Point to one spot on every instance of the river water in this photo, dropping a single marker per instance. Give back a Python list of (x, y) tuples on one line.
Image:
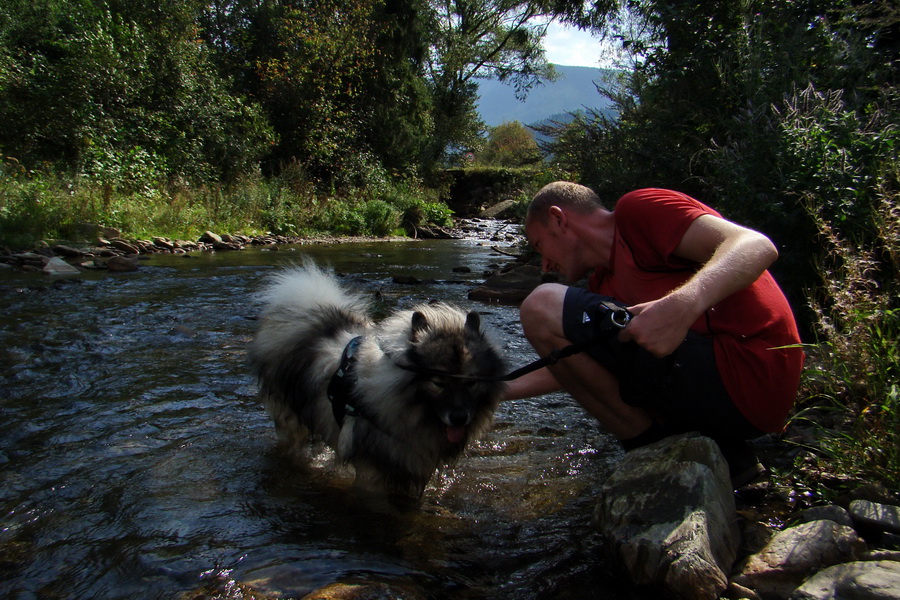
[(136, 462)]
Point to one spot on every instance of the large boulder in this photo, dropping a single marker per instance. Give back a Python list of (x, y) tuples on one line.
[(668, 515), (870, 580), (796, 553)]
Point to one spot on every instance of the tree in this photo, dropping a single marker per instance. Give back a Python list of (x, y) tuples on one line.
[(510, 144), (121, 92), (480, 39)]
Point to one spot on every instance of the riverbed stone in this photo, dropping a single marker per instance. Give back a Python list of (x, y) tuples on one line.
[(122, 264), (164, 243), (497, 210), (209, 237), (30, 257), (794, 554), (145, 247), (223, 245), (57, 266), (123, 246), (830, 512), (511, 287), (875, 516), (861, 580), (362, 591), (668, 515), (63, 250)]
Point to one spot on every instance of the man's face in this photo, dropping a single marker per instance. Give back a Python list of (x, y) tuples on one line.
[(556, 247)]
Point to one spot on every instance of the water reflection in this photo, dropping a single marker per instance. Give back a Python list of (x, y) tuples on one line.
[(135, 461)]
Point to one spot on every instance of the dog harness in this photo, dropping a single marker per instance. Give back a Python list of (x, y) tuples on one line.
[(341, 386)]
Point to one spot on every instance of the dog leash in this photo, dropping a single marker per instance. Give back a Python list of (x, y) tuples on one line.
[(341, 385)]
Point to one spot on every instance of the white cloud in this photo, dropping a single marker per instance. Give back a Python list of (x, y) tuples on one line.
[(571, 47)]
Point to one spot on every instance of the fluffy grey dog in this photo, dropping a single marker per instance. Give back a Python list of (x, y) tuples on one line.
[(396, 399)]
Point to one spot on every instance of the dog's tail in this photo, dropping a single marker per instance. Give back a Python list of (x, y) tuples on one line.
[(303, 305), (305, 288)]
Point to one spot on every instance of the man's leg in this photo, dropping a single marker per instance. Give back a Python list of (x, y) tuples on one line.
[(586, 380)]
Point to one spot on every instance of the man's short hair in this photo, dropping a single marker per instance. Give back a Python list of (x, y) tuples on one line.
[(564, 194)]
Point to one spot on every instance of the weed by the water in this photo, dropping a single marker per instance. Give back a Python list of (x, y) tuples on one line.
[(853, 384)]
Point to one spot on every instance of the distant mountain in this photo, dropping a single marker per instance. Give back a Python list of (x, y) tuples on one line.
[(574, 90)]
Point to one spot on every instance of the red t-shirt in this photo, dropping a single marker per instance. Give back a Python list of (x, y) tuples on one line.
[(749, 327)]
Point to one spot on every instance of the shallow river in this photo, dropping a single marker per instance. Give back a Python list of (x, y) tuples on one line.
[(135, 461)]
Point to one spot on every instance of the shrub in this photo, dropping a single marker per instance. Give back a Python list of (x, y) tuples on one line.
[(381, 218), (416, 208)]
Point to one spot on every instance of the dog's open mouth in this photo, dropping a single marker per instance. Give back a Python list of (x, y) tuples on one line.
[(455, 433)]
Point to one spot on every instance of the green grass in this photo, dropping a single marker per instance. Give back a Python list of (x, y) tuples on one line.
[(36, 207)]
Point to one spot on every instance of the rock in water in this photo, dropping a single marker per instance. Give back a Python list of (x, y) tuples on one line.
[(57, 266), (669, 517), (122, 264)]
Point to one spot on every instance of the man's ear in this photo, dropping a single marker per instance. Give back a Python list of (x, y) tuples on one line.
[(557, 218)]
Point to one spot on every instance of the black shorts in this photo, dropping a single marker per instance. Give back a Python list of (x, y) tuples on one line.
[(684, 390)]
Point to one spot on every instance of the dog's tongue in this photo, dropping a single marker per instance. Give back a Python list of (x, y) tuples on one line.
[(455, 433)]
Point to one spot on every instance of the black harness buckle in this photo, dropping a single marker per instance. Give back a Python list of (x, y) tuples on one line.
[(343, 381)]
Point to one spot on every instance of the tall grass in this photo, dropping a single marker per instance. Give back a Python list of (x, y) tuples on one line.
[(46, 206), (854, 383)]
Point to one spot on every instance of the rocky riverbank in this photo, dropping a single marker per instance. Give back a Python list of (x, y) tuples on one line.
[(106, 248), (672, 521), (675, 527)]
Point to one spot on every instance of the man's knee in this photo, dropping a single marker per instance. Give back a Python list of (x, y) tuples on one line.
[(542, 309)]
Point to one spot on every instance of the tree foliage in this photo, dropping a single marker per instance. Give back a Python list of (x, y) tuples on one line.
[(122, 92), (509, 144), (480, 39), (351, 93)]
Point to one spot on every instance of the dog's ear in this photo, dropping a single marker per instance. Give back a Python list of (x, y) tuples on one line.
[(419, 324), (473, 323)]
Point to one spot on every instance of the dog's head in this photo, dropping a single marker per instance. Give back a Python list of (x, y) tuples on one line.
[(451, 354)]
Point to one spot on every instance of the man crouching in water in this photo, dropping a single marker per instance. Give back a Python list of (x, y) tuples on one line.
[(709, 346)]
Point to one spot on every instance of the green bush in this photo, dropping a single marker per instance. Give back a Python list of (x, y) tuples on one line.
[(417, 206), (28, 213), (381, 218)]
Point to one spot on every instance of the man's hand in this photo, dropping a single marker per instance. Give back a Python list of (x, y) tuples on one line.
[(659, 326)]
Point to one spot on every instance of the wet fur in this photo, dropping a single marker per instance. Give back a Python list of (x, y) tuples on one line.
[(307, 321)]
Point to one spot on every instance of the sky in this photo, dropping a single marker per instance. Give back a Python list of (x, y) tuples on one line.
[(570, 47)]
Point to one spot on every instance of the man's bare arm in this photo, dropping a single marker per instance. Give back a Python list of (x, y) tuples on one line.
[(733, 257), (536, 383)]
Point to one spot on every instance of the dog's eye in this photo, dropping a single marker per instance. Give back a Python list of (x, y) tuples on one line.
[(439, 382)]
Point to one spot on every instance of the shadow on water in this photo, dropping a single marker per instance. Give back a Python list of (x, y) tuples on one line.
[(136, 462)]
